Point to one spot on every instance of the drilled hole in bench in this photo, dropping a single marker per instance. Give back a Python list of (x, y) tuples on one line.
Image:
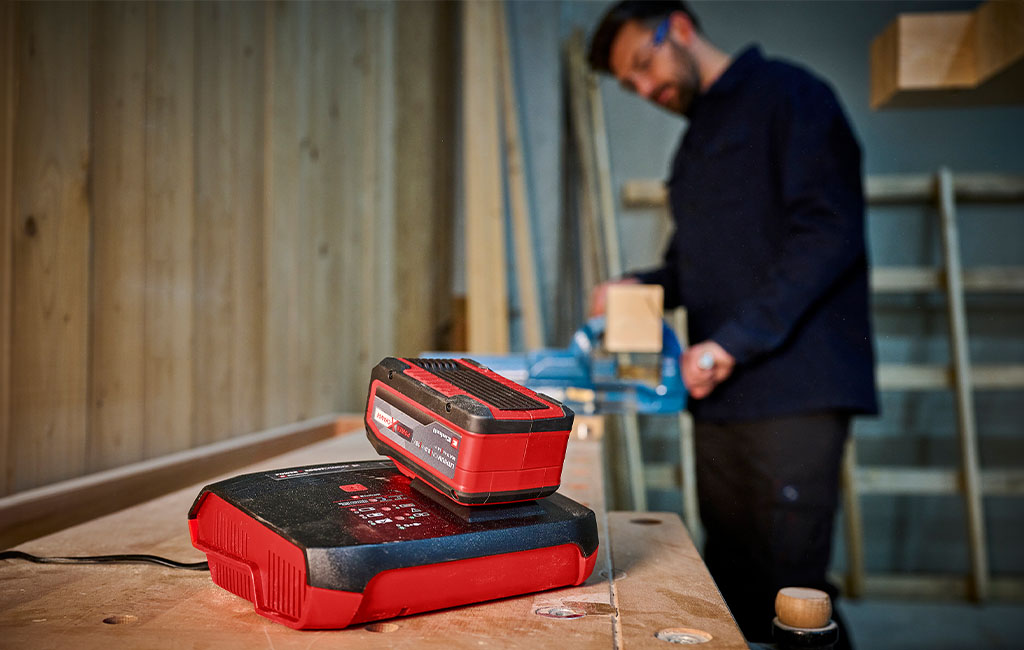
[(120, 619), (382, 627), (683, 635)]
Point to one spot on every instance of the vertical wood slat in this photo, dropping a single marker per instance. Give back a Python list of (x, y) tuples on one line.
[(325, 247), (8, 99), (966, 420), (287, 346), (522, 229), (170, 37), (378, 217), (486, 288), (424, 129), (247, 64), (227, 385), (349, 268), (118, 273), (212, 345), (50, 309)]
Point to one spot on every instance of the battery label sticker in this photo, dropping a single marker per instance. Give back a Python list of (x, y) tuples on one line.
[(433, 444)]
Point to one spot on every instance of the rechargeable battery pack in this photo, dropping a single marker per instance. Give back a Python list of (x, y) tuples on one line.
[(473, 435), (327, 546)]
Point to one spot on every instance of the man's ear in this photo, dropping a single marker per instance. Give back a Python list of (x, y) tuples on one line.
[(681, 28)]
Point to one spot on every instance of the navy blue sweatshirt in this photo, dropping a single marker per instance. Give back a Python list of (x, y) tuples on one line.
[(768, 254)]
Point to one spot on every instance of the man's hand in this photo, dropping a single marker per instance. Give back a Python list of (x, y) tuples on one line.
[(599, 296), (705, 365)]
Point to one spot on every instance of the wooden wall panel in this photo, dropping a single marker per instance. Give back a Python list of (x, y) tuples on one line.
[(8, 75), (376, 214), (330, 115), (118, 274), (248, 58), (424, 191), (170, 38), (352, 276), (49, 354), (206, 232), (288, 349), (227, 377)]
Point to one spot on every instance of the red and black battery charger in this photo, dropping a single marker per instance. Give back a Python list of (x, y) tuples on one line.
[(472, 434), (327, 546), (331, 545)]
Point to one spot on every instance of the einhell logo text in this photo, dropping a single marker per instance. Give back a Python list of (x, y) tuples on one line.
[(383, 418)]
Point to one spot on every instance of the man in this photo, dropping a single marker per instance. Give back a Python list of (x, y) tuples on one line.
[(769, 258)]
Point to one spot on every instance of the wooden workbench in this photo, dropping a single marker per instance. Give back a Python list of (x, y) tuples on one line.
[(660, 583)]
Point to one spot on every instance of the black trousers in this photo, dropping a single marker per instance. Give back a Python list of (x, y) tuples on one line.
[(768, 491)]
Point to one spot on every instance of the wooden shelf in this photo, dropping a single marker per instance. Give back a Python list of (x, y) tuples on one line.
[(951, 58)]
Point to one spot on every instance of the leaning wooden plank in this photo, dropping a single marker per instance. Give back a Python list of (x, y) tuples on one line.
[(518, 200), (486, 288), (37, 512), (602, 159), (966, 418), (117, 330), (662, 590), (592, 252), (50, 310)]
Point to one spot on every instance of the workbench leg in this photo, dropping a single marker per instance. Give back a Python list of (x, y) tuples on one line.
[(634, 460), (688, 479), (852, 523)]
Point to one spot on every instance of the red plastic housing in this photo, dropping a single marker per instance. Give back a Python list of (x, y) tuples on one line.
[(253, 562), (503, 454)]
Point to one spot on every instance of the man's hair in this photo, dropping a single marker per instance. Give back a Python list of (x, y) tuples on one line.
[(650, 12)]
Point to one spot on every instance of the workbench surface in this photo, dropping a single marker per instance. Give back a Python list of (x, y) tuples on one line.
[(660, 583)]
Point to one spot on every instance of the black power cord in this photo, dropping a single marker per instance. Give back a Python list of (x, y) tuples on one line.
[(106, 559)]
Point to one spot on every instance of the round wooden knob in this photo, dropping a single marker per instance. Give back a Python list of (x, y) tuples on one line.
[(802, 607)]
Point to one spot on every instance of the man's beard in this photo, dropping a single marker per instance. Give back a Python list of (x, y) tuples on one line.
[(687, 86)]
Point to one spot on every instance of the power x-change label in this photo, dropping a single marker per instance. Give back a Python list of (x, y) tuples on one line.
[(432, 443)]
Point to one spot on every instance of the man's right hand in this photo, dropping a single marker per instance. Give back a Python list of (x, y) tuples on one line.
[(599, 296)]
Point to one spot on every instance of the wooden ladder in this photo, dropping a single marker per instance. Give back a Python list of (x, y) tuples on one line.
[(969, 481)]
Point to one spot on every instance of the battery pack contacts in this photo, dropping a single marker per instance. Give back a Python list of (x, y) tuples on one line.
[(468, 432)]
